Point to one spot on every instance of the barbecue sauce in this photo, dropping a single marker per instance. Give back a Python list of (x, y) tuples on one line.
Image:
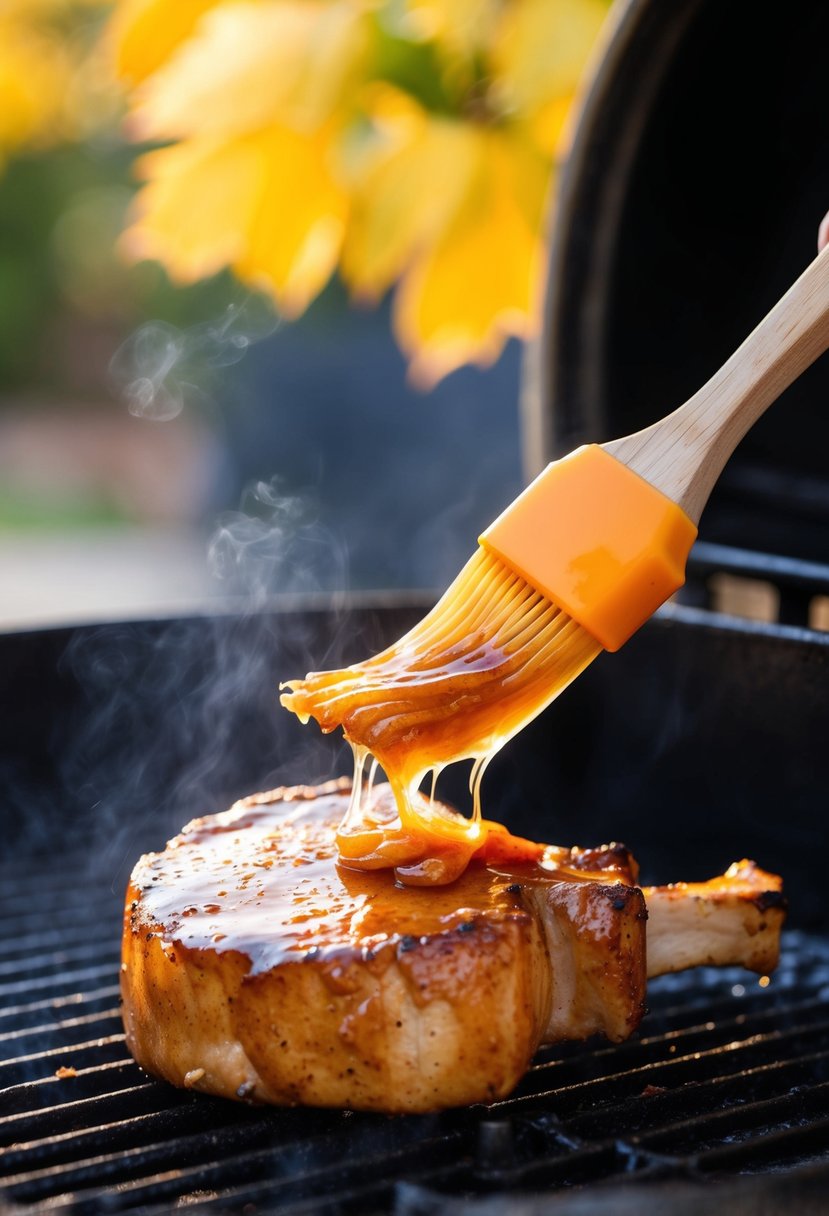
[(263, 880), (427, 845), (486, 660)]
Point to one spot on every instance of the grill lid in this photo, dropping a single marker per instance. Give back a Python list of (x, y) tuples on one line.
[(668, 247)]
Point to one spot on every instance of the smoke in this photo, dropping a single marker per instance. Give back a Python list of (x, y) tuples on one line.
[(158, 721), (160, 369), (178, 718), (274, 544)]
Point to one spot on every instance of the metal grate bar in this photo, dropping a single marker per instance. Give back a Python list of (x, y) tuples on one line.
[(57, 909), (23, 945), (691, 1108), (637, 1082), (89, 1082), (138, 1163), (67, 1031), (138, 1131), (41, 1064), (357, 1198), (81, 1114), (683, 1039), (29, 965), (324, 1166), (31, 1013), (703, 1007), (558, 1146), (781, 1145), (786, 572), (564, 1161), (45, 873), (691, 1134), (566, 1077), (61, 983)]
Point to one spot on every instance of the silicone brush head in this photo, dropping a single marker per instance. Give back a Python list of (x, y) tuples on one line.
[(575, 564), (485, 660), (487, 657)]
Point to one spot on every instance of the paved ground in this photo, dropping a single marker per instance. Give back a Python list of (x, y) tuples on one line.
[(100, 574)]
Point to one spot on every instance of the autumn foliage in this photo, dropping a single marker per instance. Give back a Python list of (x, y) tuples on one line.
[(408, 144)]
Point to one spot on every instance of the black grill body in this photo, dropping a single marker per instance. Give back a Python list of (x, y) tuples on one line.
[(701, 742)]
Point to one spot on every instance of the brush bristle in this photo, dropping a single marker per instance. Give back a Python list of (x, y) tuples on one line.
[(488, 657)]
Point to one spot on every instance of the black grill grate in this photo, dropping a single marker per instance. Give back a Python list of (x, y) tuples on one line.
[(726, 1077)]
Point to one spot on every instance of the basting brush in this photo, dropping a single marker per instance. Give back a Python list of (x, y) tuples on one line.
[(575, 565)]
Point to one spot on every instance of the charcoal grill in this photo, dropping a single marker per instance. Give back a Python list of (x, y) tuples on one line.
[(702, 741)]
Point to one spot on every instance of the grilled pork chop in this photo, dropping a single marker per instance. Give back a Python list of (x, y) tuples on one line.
[(255, 967)]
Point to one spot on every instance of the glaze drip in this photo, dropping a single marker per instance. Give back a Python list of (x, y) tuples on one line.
[(486, 660)]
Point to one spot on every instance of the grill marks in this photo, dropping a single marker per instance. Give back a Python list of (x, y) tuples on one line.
[(719, 1080)]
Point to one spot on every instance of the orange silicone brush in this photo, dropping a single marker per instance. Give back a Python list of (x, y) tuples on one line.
[(576, 564)]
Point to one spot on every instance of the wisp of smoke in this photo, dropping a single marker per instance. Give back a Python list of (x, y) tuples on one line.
[(180, 717), (160, 369), (275, 545)]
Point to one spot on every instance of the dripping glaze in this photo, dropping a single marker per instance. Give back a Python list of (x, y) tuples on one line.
[(491, 655)]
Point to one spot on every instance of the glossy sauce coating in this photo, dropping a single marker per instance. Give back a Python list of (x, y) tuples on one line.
[(485, 661), (256, 967), (262, 880)]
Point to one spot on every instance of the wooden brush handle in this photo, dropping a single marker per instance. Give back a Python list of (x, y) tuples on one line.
[(684, 454)]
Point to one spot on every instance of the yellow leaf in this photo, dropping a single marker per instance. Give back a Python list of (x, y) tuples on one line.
[(266, 204), (540, 48), (407, 193), (193, 213), (550, 124), (250, 64), (479, 283), (274, 178), (296, 229), (34, 73), (462, 24), (142, 34)]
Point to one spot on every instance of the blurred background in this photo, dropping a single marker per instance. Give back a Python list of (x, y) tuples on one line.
[(185, 415)]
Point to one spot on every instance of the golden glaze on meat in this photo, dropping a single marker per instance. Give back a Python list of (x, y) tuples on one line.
[(254, 966), (258, 968)]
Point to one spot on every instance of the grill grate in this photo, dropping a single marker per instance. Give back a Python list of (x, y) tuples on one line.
[(725, 1077)]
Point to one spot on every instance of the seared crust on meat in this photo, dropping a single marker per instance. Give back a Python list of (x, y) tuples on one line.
[(595, 937), (256, 968)]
